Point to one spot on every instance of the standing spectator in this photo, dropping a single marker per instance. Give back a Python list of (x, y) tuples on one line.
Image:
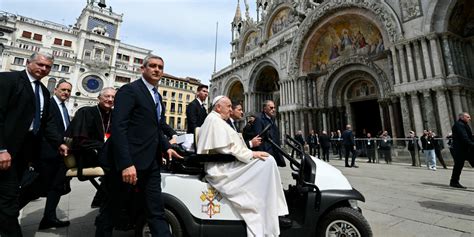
[(437, 147), (427, 143), (235, 116), (463, 145), (313, 143), (51, 165), (300, 139), (349, 146), (338, 142), (385, 147), (370, 148), (23, 118), (196, 110), (413, 147), (325, 142), (333, 143), (137, 145), (261, 121)]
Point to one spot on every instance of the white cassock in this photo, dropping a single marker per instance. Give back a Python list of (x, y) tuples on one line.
[(252, 185)]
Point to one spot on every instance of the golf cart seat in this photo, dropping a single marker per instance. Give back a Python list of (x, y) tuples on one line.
[(76, 169), (193, 163)]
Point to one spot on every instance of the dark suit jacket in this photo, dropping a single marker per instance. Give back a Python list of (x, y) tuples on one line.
[(137, 136), (261, 121), (47, 150), (17, 109), (325, 140), (195, 115), (463, 142), (348, 138)]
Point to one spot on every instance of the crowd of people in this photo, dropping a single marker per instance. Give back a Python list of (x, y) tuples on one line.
[(126, 133)]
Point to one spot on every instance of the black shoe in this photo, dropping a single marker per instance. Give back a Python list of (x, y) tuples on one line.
[(285, 222), (456, 185), (56, 223), (348, 166), (355, 166)]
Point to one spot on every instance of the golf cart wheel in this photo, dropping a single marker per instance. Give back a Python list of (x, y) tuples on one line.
[(173, 223), (344, 221)]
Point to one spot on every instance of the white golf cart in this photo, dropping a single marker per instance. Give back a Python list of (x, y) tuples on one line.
[(321, 201)]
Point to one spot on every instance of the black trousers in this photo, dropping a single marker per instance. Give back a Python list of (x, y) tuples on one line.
[(149, 182), (371, 154), (312, 149), (459, 161), (54, 184), (326, 153), (350, 149), (9, 206)]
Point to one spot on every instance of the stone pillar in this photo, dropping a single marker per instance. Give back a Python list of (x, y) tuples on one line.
[(393, 126), (306, 89), (426, 58), (457, 103), (292, 90), (310, 120), (396, 65), (405, 115), (465, 107), (447, 55), (429, 110), (410, 62), (419, 65), (403, 76), (324, 118), (436, 55), (464, 60), (292, 123), (287, 92), (302, 121), (416, 113), (381, 104), (443, 112)]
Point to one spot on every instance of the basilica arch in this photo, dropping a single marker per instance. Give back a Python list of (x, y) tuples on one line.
[(264, 84)]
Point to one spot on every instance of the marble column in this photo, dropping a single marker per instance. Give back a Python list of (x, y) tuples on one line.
[(418, 120), (464, 101), (283, 123), (302, 121), (438, 64), (419, 66), (292, 90), (404, 75), (429, 112), (381, 105), (464, 59), (426, 58), (306, 92), (405, 115), (292, 123), (410, 62), (310, 120), (457, 103), (396, 65), (324, 118), (447, 55), (393, 126), (443, 112)]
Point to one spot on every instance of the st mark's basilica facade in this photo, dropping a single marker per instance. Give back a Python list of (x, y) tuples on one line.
[(395, 65)]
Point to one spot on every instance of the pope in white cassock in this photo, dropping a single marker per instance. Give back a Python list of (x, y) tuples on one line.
[(252, 182)]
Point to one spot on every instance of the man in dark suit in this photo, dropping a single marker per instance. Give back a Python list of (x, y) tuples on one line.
[(313, 143), (261, 121), (463, 145), (51, 164), (325, 142), (236, 115), (137, 145), (349, 144), (196, 110), (23, 119)]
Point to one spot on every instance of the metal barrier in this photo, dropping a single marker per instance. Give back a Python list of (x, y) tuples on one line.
[(396, 151)]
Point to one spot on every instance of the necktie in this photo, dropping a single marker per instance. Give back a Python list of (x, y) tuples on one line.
[(158, 103), (235, 126), (37, 118), (66, 115)]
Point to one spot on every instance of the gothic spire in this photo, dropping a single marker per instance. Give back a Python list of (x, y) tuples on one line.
[(238, 15)]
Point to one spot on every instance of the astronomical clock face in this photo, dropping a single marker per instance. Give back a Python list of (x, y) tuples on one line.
[(92, 84)]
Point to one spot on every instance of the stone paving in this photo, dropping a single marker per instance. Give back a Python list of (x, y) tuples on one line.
[(401, 200)]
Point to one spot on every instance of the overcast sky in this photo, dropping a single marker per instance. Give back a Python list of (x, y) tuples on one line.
[(181, 31)]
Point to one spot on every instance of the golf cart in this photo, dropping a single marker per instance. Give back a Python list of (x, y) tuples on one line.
[(321, 201)]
